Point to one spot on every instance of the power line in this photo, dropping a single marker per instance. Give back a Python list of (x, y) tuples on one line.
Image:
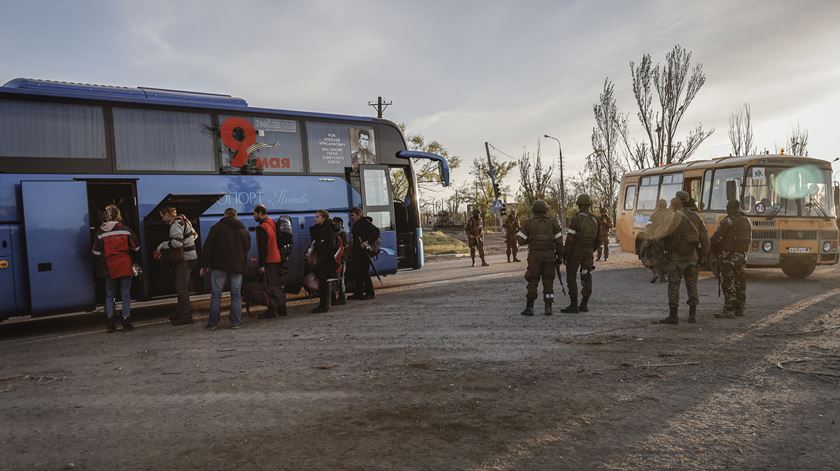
[(502, 152)]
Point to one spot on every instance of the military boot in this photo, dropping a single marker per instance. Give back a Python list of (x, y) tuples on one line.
[(508, 256), (584, 304), (126, 324), (692, 314), (529, 308), (725, 314), (572, 308), (739, 313), (549, 300), (672, 317)]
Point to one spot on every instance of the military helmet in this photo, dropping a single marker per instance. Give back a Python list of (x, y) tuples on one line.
[(733, 205), (682, 195), (540, 207), (476, 213), (584, 200)]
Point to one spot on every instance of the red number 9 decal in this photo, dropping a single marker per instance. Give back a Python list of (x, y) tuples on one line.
[(238, 134)]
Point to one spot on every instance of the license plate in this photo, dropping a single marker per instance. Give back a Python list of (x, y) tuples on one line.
[(799, 250)]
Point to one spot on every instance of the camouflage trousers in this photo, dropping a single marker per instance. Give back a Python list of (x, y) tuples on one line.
[(733, 271), (605, 249), (511, 248), (540, 266), (676, 272), (579, 263), (476, 243)]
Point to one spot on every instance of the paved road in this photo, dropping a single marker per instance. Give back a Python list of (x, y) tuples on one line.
[(440, 372)]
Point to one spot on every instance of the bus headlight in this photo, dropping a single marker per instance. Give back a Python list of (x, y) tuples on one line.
[(827, 246), (767, 246)]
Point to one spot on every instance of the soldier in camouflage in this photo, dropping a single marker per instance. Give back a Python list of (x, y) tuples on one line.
[(475, 236), (730, 243), (544, 238), (687, 245), (606, 223), (583, 240), (511, 228)]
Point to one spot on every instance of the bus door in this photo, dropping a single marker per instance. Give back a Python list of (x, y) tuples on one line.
[(624, 224), (122, 193), (377, 203), (57, 229)]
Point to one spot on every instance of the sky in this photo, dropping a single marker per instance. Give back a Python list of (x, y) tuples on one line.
[(460, 72)]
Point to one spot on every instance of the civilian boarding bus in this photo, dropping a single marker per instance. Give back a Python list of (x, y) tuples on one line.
[(67, 150), (789, 201)]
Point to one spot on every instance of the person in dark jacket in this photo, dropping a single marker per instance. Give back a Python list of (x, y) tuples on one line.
[(115, 243), (270, 262), (365, 237), (225, 257), (324, 241)]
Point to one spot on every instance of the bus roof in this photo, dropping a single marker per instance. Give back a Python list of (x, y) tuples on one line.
[(150, 96), (761, 159)]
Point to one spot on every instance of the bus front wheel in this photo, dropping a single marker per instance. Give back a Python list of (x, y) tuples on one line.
[(798, 267)]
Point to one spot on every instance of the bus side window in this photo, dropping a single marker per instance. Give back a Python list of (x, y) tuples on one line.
[(630, 198)]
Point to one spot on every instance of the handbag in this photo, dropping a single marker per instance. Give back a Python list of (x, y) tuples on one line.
[(137, 270), (173, 255)]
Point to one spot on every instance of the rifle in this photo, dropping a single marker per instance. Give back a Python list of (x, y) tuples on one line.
[(370, 261), (560, 277)]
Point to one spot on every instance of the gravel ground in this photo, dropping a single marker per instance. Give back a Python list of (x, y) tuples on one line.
[(441, 372)]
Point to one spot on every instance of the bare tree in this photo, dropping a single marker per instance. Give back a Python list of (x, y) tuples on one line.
[(740, 131), (427, 170), (675, 85), (797, 141), (603, 164), (533, 177)]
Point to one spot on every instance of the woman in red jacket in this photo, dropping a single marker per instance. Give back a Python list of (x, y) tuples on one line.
[(115, 243)]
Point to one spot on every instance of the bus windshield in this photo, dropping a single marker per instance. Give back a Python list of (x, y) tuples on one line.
[(804, 190)]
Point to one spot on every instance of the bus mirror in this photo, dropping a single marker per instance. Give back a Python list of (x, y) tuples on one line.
[(443, 165), (731, 190), (836, 196)]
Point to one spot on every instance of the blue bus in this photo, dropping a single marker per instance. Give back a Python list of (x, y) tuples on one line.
[(68, 149)]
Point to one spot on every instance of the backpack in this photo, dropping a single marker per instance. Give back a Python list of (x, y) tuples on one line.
[(285, 239)]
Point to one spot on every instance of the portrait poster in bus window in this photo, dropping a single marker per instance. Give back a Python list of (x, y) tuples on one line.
[(363, 147), (335, 147)]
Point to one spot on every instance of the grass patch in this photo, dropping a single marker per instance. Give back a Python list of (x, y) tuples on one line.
[(438, 243)]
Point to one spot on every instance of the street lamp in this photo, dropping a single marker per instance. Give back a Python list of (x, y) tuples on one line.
[(562, 184)]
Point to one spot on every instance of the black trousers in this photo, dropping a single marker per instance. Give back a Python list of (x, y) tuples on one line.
[(276, 296), (361, 275)]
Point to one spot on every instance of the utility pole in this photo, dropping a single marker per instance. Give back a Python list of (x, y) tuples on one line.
[(380, 106), (492, 172), (562, 184)]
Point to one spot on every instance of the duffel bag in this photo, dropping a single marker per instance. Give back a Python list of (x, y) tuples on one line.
[(255, 293)]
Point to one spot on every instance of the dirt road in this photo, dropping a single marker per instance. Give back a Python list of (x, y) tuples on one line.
[(441, 372)]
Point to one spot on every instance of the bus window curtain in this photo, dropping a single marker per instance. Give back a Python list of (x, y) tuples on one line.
[(51, 130), (163, 140)]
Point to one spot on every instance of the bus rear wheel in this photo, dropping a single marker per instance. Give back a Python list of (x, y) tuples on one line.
[(799, 268)]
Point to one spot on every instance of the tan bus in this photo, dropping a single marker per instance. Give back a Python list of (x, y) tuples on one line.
[(789, 200)]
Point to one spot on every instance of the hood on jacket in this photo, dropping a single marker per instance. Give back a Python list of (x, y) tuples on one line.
[(232, 222), (108, 226)]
